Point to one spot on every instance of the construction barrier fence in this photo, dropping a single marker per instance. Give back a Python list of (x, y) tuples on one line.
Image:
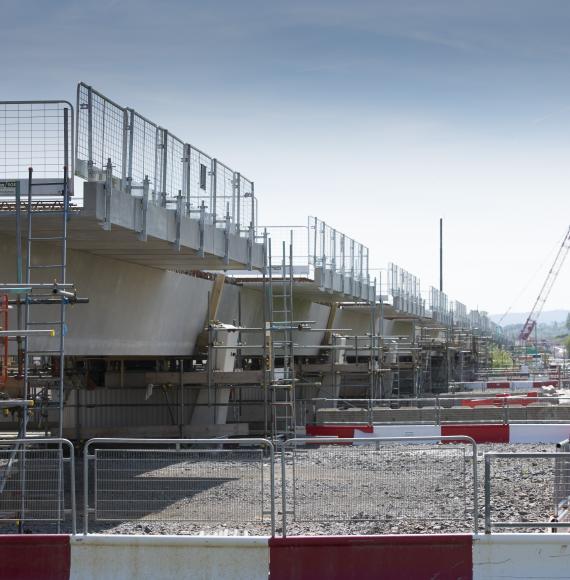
[(191, 480), (37, 481), (245, 484)]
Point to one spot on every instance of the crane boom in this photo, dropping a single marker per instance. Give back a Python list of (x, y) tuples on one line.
[(546, 288)]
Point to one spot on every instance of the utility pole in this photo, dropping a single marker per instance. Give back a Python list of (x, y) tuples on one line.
[(441, 254)]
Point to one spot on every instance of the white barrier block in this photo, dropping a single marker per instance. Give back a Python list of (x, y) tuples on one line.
[(152, 557), (521, 386), (538, 432), (405, 431), (521, 556)]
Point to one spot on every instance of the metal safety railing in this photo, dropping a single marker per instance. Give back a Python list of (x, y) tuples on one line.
[(34, 134), (214, 481), (405, 290), (144, 156), (33, 476), (528, 490), (367, 479), (440, 410), (333, 259)]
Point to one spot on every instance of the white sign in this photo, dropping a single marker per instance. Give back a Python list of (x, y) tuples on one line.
[(8, 187), (45, 187)]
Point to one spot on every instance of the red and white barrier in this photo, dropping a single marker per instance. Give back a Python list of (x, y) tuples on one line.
[(510, 385), (514, 556), (371, 557), (152, 557), (481, 433), (521, 556)]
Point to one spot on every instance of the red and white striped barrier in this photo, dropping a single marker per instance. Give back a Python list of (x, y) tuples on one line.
[(510, 385), (481, 433), (458, 556)]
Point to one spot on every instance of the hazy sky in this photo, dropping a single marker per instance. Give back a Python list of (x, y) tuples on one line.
[(378, 117)]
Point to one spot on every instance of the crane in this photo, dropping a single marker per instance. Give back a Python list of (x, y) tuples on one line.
[(546, 288)]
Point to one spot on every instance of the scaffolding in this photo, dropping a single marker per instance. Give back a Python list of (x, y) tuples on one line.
[(38, 141)]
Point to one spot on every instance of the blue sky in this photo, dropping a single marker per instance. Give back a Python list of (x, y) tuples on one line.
[(378, 117)]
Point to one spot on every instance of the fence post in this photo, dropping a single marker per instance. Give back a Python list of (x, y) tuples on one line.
[(186, 178), (72, 487), (178, 220), (163, 180), (437, 411), (144, 208), (214, 189), (227, 236), (487, 494), (236, 199), (108, 194), (124, 151), (253, 206), (202, 229), (90, 172), (86, 489), (283, 491), (272, 486), (131, 129)]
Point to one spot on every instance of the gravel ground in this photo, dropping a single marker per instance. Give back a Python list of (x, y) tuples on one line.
[(340, 490)]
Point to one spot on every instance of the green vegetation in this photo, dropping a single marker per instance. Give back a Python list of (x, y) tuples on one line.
[(501, 358)]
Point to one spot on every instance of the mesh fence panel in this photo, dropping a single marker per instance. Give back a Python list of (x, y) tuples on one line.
[(31, 484), (107, 130), (377, 482), (214, 485), (200, 180), (225, 200), (525, 489), (246, 205), (174, 169), (143, 152), (32, 135)]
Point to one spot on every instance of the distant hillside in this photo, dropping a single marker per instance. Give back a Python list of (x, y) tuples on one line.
[(547, 317)]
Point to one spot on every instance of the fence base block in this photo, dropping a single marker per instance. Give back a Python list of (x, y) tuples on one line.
[(370, 557), (34, 557), (156, 557), (521, 556), (488, 433)]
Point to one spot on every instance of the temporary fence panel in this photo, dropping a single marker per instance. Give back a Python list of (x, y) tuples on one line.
[(194, 480), (523, 490), (349, 479), (33, 475), (33, 134)]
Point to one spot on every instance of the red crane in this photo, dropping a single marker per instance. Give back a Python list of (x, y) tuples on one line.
[(546, 288)]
